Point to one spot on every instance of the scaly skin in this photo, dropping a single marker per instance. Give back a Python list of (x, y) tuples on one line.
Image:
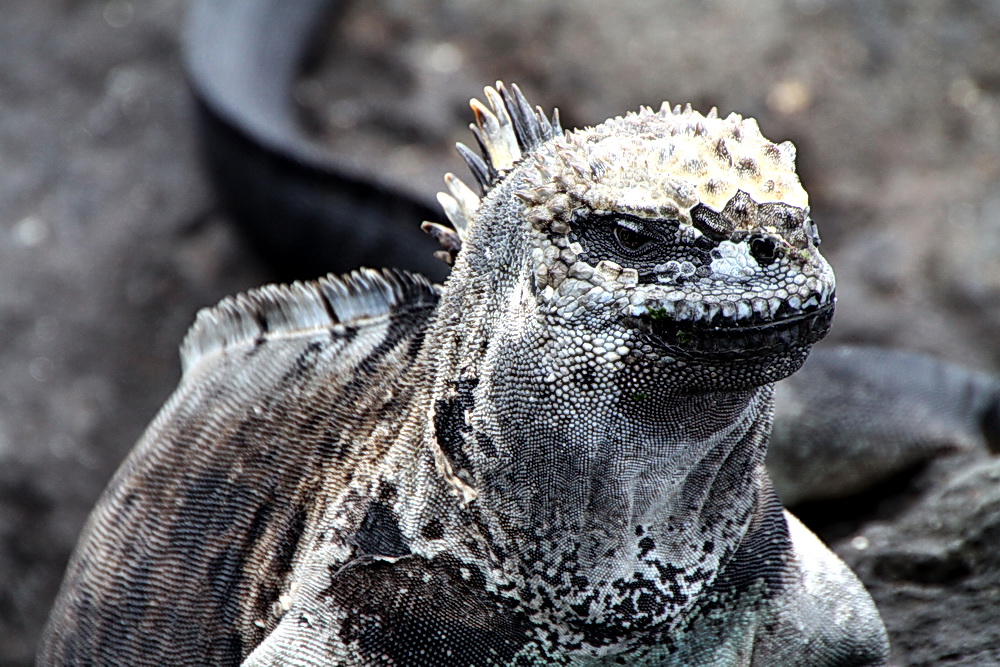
[(559, 460)]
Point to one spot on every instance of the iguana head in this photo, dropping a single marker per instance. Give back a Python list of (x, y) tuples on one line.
[(669, 238)]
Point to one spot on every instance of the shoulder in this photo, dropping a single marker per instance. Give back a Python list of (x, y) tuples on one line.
[(784, 598), (824, 616)]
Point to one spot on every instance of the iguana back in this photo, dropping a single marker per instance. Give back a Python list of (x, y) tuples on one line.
[(285, 393)]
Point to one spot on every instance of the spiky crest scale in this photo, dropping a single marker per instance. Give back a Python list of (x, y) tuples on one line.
[(506, 129), (276, 310)]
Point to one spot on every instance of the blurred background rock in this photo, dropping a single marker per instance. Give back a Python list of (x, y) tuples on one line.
[(110, 238)]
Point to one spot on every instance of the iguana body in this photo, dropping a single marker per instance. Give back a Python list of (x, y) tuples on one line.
[(556, 458)]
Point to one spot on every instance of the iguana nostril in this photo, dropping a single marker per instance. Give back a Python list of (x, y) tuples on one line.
[(764, 250)]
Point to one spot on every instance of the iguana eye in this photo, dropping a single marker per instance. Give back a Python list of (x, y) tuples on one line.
[(631, 240)]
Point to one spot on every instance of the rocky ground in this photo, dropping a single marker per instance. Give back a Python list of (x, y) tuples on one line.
[(110, 238)]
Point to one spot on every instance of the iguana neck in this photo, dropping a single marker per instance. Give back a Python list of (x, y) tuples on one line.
[(609, 457), (603, 469)]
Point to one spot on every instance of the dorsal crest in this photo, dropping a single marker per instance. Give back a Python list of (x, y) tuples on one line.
[(506, 129), (280, 310)]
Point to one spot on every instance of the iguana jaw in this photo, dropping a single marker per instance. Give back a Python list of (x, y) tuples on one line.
[(737, 340)]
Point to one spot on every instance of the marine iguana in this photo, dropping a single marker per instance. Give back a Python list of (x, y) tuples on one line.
[(554, 458)]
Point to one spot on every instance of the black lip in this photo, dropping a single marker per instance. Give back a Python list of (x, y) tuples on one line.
[(698, 340)]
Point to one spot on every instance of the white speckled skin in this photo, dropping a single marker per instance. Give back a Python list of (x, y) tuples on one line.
[(662, 164)]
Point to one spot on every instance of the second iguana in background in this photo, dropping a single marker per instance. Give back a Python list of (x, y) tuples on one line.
[(557, 458)]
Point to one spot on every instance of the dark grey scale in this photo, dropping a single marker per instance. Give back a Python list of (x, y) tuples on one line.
[(450, 425), (285, 549), (400, 330), (304, 362), (328, 442), (747, 167), (443, 618), (264, 326), (740, 210), (789, 220), (379, 533), (343, 334), (714, 225), (432, 530), (646, 545), (762, 557), (486, 445)]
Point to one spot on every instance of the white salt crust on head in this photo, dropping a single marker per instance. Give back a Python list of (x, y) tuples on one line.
[(658, 165)]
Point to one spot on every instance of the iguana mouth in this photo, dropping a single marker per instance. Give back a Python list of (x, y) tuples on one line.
[(739, 340)]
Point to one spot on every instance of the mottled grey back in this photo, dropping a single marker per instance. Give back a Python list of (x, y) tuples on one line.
[(202, 523)]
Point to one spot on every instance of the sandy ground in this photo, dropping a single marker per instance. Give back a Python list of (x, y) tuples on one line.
[(110, 238)]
